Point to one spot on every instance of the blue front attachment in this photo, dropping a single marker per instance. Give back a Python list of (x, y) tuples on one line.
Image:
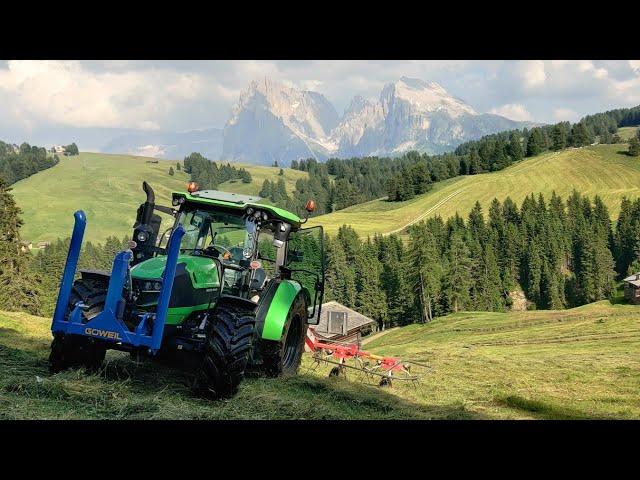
[(108, 325)]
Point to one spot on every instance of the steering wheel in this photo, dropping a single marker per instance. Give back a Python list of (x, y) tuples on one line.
[(225, 250)]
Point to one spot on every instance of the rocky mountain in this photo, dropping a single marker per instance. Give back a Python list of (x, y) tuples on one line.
[(272, 121)]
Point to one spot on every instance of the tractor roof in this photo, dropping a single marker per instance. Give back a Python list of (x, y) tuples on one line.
[(237, 201)]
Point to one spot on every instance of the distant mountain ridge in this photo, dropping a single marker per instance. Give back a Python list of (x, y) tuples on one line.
[(170, 145), (272, 121)]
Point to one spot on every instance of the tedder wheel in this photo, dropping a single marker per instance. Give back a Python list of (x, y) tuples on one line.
[(227, 351), (75, 351), (283, 357)]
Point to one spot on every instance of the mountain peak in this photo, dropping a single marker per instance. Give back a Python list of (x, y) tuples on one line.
[(275, 120), (424, 97)]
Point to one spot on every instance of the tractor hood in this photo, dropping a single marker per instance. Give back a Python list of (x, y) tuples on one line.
[(201, 270)]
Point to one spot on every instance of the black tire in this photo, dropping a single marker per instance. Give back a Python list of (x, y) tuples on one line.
[(283, 357), (75, 351), (227, 350)]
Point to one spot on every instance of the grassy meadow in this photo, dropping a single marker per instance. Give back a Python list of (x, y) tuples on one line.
[(109, 189), (581, 363), (605, 170)]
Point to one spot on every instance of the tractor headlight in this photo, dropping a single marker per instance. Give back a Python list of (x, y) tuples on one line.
[(142, 237), (151, 286)]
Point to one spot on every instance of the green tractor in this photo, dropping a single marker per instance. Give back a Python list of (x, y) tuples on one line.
[(230, 286)]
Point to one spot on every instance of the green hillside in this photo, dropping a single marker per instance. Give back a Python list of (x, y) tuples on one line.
[(579, 363), (627, 132), (602, 169), (108, 189)]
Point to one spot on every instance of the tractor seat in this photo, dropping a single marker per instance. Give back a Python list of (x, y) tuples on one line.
[(259, 279)]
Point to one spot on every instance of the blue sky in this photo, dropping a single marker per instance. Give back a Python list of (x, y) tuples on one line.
[(184, 95)]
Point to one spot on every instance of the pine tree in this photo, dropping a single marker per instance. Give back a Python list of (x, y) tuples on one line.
[(370, 298), (515, 147), (535, 143), (488, 291), (458, 279), (424, 269), (558, 137), (19, 288), (171, 171), (178, 167)]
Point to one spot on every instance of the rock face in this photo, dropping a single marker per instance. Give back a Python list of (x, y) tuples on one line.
[(272, 121)]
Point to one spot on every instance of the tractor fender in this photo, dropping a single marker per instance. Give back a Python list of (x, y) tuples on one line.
[(274, 308), (236, 302)]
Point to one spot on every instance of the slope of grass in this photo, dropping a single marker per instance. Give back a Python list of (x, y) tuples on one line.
[(602, 169), (627, 132), (580, 363), (108, 188)]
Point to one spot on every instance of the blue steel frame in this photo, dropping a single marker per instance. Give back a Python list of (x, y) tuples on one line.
[(107, 325)]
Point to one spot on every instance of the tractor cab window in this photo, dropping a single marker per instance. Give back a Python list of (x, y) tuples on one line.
[(305, 258), (214, 233)]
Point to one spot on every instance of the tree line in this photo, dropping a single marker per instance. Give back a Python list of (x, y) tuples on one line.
[(340, 183), (554, 254), (500, 150), (20, 163), (209, 175)]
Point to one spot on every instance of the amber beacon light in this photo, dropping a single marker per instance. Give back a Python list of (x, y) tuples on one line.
[(192, 187)]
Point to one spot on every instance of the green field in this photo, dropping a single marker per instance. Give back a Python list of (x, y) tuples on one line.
[(627, 132), (572, 364), (602, 169), (108, 188)]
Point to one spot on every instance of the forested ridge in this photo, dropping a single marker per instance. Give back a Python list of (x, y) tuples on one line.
[(210, 174), (340, 183), (560, 253), (23, 161)]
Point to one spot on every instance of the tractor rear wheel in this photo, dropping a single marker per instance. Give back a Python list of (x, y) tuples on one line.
[(75, 351), (227, 350), (283, 357)]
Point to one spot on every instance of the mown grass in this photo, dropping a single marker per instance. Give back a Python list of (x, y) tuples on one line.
[(573, 364), (605, 170), (109, 189), (578, 363), (627, 132)]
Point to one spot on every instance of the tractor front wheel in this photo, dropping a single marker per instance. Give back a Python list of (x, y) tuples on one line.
[(284, 357), (75, 351), (227, 350)]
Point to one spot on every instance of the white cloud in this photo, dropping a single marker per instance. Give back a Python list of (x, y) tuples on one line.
[(66, 92), (532, 73), (148, 151), (565, 114), (635, 66), (514, 111)]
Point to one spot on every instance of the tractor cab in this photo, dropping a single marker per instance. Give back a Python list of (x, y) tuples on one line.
[(231, 241)]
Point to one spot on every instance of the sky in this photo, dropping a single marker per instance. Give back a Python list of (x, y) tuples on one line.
[(188, 95)]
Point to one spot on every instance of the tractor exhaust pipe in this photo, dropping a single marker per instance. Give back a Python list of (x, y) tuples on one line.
[(149, 204)]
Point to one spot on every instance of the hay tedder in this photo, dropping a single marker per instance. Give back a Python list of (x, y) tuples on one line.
[(367, 366)]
